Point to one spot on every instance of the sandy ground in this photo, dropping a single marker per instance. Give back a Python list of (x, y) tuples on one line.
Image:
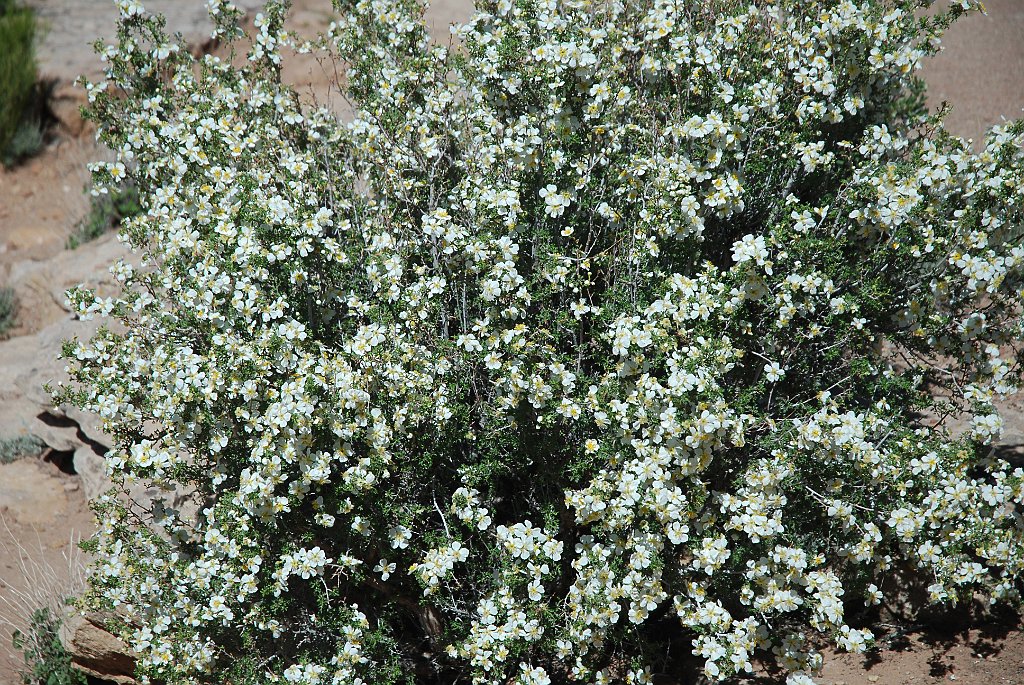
[(42, 514), (980, 72)]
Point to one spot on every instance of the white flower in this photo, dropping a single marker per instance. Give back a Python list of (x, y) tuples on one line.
[(773, 372), (555, 202), (385, 568), (400, 536)]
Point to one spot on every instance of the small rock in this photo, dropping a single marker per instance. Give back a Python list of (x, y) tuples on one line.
[(872, 679), (95, 651), (65, 103)]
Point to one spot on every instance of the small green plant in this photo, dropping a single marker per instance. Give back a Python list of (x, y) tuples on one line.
[(8, 310), (105, 212), (47, 661), (27, 141), (20, 446), (17, 78)]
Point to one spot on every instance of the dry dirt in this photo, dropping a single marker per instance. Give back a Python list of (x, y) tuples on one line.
[(42, 508)]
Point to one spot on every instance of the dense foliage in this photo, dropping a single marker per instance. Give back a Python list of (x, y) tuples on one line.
[(17, 76), (612, 332)]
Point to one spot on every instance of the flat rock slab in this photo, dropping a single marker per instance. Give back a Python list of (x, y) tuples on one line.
[(33, 493)]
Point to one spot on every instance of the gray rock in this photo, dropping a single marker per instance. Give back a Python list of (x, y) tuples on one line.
[(91, 469), (29, 362), (41, 285)]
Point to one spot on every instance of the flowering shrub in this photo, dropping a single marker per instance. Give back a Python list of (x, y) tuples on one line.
[(614, 331)]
